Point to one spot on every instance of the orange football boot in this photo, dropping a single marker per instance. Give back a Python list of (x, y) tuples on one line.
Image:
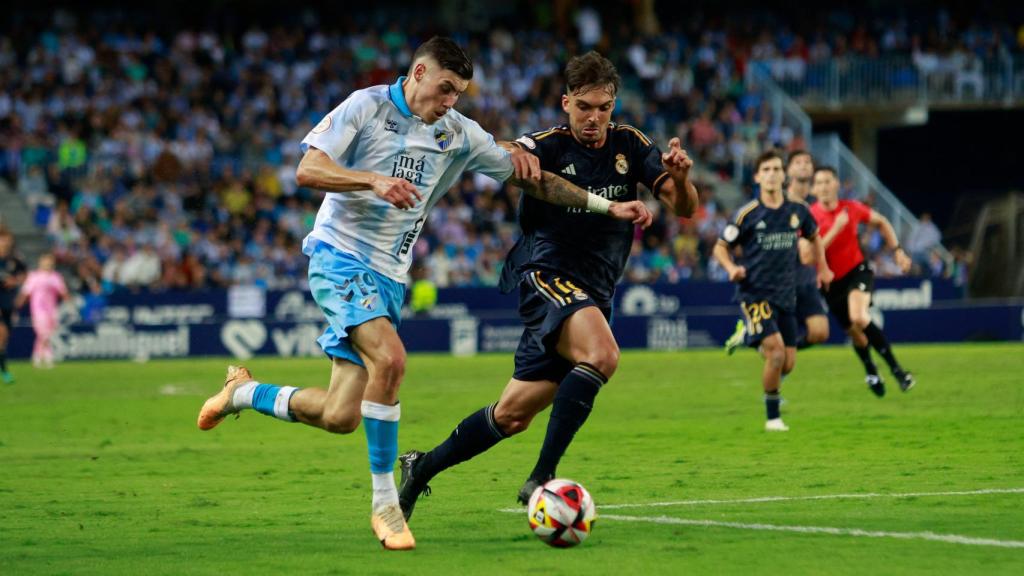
[(390, 527), (220, 404)]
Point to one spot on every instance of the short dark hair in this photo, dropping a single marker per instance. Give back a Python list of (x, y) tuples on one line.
[(796, 154), (827, 169), (765, 157), (448, 54), (590, 69)]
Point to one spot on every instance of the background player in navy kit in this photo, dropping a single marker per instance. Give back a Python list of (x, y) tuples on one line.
[(767, 230), (811, 316), (812, 321), (565, 266), (12, 274)]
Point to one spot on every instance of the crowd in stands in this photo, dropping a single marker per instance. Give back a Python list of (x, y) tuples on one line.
[(165, 160)]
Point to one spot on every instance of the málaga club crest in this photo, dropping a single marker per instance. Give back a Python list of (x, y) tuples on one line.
[(443, 139)]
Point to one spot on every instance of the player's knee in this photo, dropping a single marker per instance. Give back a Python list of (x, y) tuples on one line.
[(860, 320), (774, 355), (817, 334), (389, 368), (605, 358), (341, 421)]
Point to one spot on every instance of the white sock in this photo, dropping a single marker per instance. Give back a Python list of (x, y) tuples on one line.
[(242, 398), (384, 490)]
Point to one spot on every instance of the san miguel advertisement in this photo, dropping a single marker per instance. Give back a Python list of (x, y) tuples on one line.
[(247, 321)]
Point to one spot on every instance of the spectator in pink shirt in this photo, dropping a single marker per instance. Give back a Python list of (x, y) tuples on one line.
[(43, 289)]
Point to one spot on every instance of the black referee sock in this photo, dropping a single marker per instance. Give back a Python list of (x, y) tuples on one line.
[(865, 357), (476, 434), (880, 343), (570, 409)]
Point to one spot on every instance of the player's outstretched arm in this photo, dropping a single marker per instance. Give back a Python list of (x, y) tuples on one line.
[(841, 220), (20, 300), (526, 166), (317, 170), (678, 193), (721, 253), (825, 275), (556, 190), (806, 250), (891, 240)]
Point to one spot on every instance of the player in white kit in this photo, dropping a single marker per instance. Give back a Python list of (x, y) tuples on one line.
[(386, 155)]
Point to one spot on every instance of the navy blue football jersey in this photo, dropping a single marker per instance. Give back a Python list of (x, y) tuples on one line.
[(9, 266), (592, 249), (768, 239)]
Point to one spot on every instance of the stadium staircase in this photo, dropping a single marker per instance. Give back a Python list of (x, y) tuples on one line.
[(17, 217)]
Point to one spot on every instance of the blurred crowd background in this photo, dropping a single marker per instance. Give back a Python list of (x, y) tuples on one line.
[(161, 155)]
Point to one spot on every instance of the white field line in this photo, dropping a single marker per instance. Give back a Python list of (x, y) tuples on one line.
[(947, 538), (768, 499)]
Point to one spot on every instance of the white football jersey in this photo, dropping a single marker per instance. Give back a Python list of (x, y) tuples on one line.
[(374, 131)]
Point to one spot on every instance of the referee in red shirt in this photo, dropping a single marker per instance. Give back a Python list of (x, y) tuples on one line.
[(850, 293)]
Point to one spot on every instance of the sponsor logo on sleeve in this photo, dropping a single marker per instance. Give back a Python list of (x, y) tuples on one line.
[(528, 142), (323, 126)]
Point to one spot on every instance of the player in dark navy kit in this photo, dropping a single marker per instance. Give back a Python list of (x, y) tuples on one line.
[(12, 274), (768, 229), (565, 267), (811, 315)]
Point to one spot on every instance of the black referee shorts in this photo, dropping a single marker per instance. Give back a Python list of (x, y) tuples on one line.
[(838, 296)]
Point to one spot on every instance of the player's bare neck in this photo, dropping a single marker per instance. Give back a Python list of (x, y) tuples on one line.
[(592, 145), (772, 198), (409, 92), (798, 192)]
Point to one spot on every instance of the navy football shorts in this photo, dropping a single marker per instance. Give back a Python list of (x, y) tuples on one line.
[(546, 300), (764, 319), (809, 302)]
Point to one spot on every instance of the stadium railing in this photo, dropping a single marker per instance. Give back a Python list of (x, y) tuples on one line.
[(899, 80)]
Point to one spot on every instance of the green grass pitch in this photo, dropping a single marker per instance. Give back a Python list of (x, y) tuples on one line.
[(103, 471)]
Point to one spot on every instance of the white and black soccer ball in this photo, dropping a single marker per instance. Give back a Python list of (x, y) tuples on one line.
[(561, 513)]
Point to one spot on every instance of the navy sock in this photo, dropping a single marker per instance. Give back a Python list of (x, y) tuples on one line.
[(865, 357), (476, 434), (573, 403), (771, 404), (880, 343), (3, 361)]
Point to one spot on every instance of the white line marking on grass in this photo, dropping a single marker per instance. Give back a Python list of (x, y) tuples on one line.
[(765, 499), (948, 538)]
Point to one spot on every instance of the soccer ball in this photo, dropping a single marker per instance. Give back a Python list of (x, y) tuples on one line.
[(561, 513)]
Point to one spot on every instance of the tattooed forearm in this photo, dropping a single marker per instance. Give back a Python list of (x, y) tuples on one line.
[(556, 190)]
